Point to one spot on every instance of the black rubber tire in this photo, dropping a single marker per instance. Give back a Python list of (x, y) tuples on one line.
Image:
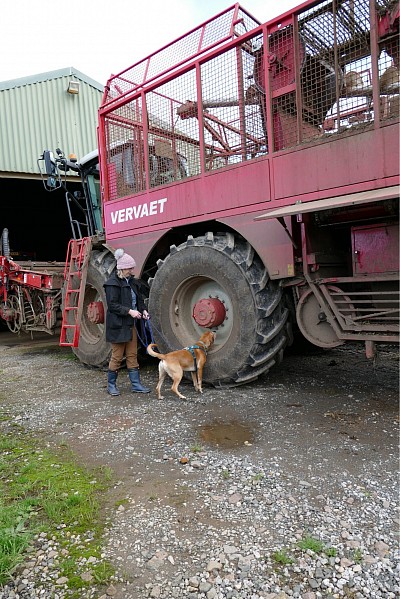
[(93, 349), (258, 328)]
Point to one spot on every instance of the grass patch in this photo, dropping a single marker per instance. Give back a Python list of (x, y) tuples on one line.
[(122, 502), (62, 353), (281, 557), (41, 491), (357, 555), (196, 448), (330, 551), (312, 544), (4, 416)]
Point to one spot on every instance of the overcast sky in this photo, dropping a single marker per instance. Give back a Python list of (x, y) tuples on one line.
[(100, 39)]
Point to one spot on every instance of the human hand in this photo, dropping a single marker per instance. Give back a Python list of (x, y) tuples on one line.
[(135, 313), (146, 315)]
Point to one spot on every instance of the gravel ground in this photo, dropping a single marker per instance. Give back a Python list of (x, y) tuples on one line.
[(223, 495)]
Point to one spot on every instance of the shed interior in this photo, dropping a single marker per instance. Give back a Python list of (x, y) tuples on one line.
[(37, 220)]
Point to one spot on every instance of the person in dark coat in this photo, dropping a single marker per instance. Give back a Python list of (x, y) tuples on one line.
[(125, 297)]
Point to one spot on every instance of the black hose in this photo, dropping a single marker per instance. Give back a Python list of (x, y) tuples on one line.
[(4, 244)]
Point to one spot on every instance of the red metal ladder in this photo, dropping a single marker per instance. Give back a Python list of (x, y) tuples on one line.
[(75, 274)]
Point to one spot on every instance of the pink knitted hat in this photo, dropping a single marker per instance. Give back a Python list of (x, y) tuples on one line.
[(124, 261)]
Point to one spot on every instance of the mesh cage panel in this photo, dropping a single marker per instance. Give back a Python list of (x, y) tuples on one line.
[(227, 25), (389, 61), (125, 159), (173, 143), (233, 108), (204, 112), (389, 77), (339, 65), (283, 52), (337, 76)]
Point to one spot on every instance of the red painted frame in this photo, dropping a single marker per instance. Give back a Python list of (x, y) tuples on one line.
[(354, 162)]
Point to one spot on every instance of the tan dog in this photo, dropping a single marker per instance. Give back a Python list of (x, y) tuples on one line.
[(176, 362)]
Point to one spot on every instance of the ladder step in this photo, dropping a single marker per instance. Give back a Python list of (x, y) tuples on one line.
[(75, 274)]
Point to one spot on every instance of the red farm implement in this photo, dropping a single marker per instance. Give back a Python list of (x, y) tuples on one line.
[(252, 170)]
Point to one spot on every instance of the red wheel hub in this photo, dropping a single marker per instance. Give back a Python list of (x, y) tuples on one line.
[(209, 312), (95, 312)]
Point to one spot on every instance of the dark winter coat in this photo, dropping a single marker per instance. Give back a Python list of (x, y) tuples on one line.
[(119, 323)]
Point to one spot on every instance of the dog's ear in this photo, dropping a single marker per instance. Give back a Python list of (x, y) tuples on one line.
[(211, 337)]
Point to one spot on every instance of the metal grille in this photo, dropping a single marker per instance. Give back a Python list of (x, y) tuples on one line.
[(389, 81), (227, 25), (283, 52), (319, 75), (337, 74), (125, 156), (373, 308), (389, 59), (173, 143), (233, 124), (345, 52)]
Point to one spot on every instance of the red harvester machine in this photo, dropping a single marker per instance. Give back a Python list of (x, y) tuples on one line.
[(252, 170)]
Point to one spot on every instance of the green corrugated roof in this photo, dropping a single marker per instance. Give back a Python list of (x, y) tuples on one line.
[(37, 113), (40, 77)]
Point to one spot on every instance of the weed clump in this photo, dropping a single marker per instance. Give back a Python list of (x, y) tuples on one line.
[(46, 491)]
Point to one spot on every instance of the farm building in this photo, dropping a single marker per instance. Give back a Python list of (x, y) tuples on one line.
[(57, 109)]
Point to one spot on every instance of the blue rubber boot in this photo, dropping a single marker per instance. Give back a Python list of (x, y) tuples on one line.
[(137, 387), (112, 388)]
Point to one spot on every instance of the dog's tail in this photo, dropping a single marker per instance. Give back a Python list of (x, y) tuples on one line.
[(153, 353)]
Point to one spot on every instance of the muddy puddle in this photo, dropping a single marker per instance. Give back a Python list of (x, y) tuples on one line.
[(227, 435)]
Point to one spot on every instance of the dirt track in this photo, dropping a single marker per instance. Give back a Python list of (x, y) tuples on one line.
[(321, 420)]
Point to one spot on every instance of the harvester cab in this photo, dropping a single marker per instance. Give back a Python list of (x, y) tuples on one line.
[(84, 205)]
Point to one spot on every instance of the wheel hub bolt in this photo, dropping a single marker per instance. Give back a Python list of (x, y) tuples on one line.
[(209, 312), (95, 312)]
